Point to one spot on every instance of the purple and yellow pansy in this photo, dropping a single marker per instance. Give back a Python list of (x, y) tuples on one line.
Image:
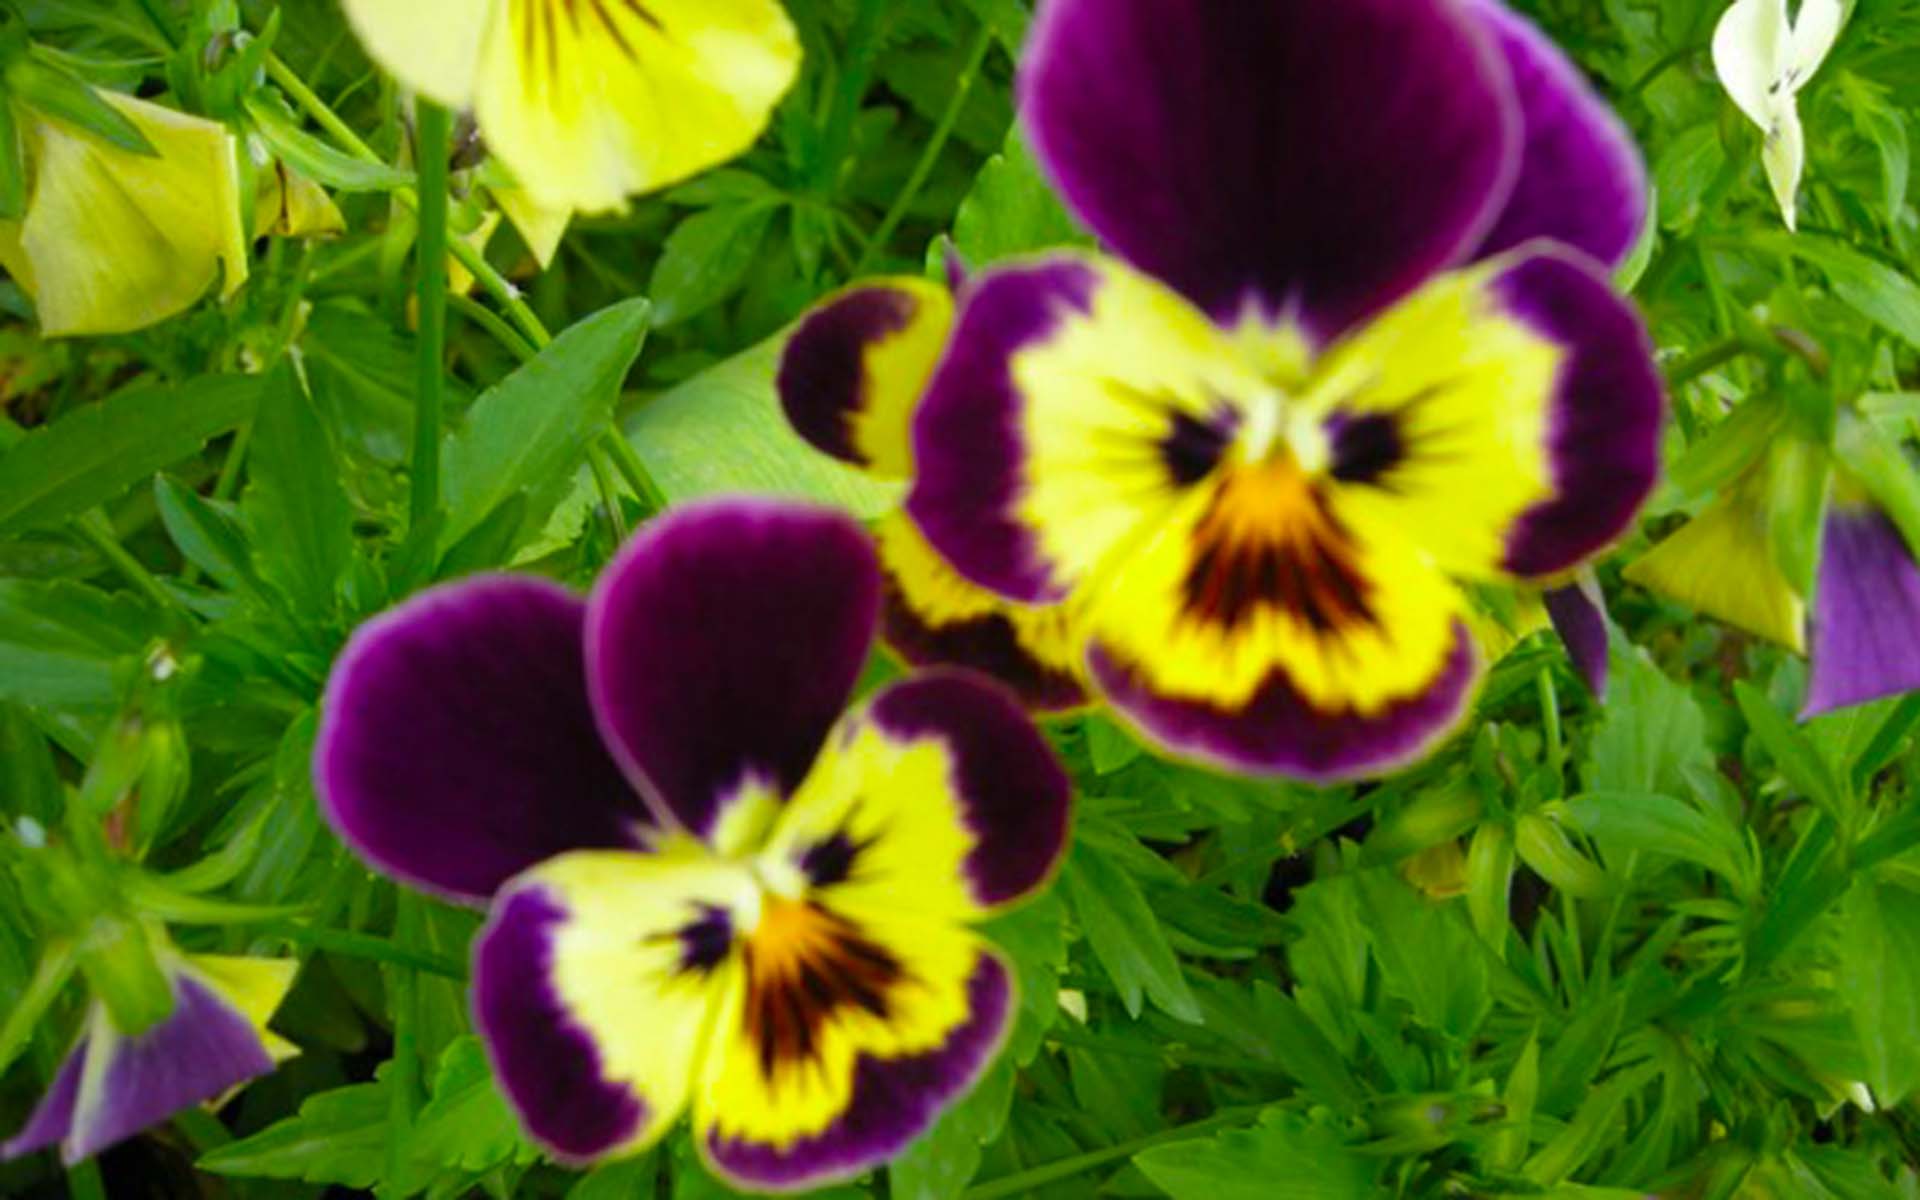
[(712, 892), (1356, 344), (851, 376), (115, 1083)]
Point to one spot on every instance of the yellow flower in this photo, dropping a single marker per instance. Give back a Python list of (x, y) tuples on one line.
[(1721, 564), (114, 241), (588, 102)]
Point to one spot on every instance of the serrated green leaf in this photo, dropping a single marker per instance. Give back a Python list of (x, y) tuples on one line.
[(301, 520), (61, 643), (339, 1137), (705, 259), (1125, 935), (1879, 979), (1281, 1158)]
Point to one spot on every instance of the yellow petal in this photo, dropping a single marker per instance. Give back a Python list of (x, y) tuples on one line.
[(432, 46), (540, 228), (289, 204), (1720, 563), (115, 241), (590, 101), (255, 986)]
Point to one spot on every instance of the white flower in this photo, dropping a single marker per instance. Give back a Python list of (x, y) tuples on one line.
[(1763, 61)]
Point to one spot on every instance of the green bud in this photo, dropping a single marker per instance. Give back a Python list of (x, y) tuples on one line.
[(1545, 847), (1447, 812), (163, 781), (1489, 883), (118, 958), (1425, 1122)]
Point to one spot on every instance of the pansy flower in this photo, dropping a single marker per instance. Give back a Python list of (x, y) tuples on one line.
[(1358, 344), (711, 892), (114, 1084), (588, 102), (851, 375)]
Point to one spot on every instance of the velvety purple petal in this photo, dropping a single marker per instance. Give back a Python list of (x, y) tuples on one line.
[(1581, 179), (1012, 792), (724, 642), (204, 1048), (894, 1101), (968, 447), (988, 644), (1866, 613), (1606, 418), (546, 1064), (1579, 614), (856, 365), (1278, 732), (1315, 159), (53, 1117), (458, 746)]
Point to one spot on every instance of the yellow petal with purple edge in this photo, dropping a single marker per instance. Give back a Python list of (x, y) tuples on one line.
[(590, 102), (254, 986), (935, 616), (596, 983), (1721, 564), (854, 369)]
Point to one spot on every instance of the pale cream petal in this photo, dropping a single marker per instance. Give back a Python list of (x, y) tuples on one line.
[(1749, 51), (432, 46)]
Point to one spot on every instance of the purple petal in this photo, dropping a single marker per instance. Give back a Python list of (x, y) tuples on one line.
[(1866, 613), (1278, 732), (1011, 792), (1581, 180), (724, 642), (53, 1117), (856, 366), (1604, 437), (545, 1062), (1579, 614), (458, 747), (968, 447), (1313, 159), (204, 1048), (894, 1101)]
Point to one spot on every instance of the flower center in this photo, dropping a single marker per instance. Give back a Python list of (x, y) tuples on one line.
[(806, 964)]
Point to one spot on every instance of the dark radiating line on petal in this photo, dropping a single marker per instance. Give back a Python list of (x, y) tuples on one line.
[(645, 14), (1269, 544), (1366, 447), (613, 30), (805, 964), (1193, 448)]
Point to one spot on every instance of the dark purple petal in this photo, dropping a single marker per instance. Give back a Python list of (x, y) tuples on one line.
[(1579, 614), (968, 448), (546, 1064), (1011, 790), (894, 1101), (1317, 160), (1278, 732), (988, 644), (53, 1117), (1606, 417), (1866, 613), (1581, 180), (724, 642), (204, 1048), (856, 365), (458, 747)]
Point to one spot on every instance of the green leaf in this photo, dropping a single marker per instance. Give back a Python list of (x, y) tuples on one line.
[(301, 520), (1684, 171), (315, 159), (943, 1161), (531, 430), (467, 1123), (1882, 123), (60, 643), (723, 431), (1790, 750), (1639, 821), (97, 452), (1870, 287), (1878, 971), (1281, 1158), (1879, 465), (13, 166), (705, 259), (1010, 210), (208, 534), (1125, 935), (1650, 729), (58, 92), (1428, 954), (339, 1137)]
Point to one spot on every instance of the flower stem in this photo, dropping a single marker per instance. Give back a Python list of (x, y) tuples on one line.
[(94, 529), (498, 329), (627, 461), (57, 964), (930, 157), (1706, 359), (430, 294), (1024, 1182), (374, 949)]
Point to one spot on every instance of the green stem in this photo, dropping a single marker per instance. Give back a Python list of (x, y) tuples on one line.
[(609, 494), (403, 992), (360, 945), (56, 967), (1185, 1058), (930, 157), (159, 22), (94, 528), (318, 109), (496, 328), (430, 294), (1670, 59), (1030, 1180), (84, 1182), (1706, 359), (1550, 722), (627, 461)]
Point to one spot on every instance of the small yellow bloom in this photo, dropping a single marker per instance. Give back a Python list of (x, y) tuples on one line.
[(288, 204), (1721, 564), (588, 102), (114, 241)]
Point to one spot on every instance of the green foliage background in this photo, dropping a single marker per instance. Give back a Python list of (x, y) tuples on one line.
[(1686, 929)]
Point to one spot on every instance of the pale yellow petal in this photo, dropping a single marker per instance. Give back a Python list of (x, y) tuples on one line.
[(117, 241), (432, 46), (288, 204), (1721, 565), (540, 228), (588, 102), (1749, 50)]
